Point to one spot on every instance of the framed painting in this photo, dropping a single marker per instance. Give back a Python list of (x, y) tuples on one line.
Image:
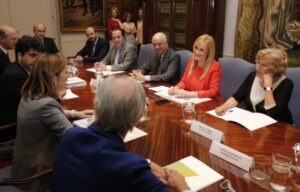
[(76, 15)]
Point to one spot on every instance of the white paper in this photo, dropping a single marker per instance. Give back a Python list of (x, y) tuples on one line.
[(251, 121), (134, 134), (206, 175), (165, 95), (231, 155), (69, 95), (75, 82), (159, 88), (105, 73), (131, 135)]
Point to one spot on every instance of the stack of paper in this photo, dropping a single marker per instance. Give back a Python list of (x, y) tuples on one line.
[(251, 121), (159, 88), (196, 173), (75, 82)]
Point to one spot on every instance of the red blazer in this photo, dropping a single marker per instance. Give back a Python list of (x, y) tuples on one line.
[(209, 86), (111, 25)]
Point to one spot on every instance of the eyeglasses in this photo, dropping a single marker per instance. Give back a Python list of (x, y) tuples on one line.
[(226, 186)]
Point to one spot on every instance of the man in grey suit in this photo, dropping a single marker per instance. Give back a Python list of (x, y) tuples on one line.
[(164, 66), (122, 56)]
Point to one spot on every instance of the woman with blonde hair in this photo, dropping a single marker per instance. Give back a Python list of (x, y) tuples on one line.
[(267, 90), (203, 73)]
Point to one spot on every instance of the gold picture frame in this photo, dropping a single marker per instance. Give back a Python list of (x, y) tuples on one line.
[(76, 15)]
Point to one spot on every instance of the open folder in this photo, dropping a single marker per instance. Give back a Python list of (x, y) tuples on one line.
[(250, 120), (197, 174)]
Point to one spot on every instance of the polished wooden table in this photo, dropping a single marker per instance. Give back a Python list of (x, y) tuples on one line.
[(169, 139)]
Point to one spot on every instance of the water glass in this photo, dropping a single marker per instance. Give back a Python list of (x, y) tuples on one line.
[(280, 172), (188, 112), (259, 168), (72, 69), (295, 178), (145, 114), (297, 154), (226, 186)]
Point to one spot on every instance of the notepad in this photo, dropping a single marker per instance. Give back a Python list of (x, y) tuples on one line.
[(250, 120), (159, 88), (197, 174), (165, 94)]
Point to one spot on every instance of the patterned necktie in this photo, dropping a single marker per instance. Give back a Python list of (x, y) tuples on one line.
[(117, 58)]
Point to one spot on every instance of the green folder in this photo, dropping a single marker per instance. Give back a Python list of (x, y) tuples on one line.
[(182, 168)]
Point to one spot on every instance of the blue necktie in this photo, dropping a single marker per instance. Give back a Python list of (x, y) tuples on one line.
[(117, 58), (93, 50)]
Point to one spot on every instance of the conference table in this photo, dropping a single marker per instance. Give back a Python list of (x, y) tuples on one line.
[(169, 139)]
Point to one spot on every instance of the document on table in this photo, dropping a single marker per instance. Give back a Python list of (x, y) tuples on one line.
[(159, 88), (250, 120), (166, 95), (131, 135), (197, 174), (69, 95), (75, 82), (105, 73)]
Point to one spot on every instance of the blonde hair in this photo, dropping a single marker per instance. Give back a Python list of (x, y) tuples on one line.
[(277, 58), (210, 45), (116, 9), (40, 82)]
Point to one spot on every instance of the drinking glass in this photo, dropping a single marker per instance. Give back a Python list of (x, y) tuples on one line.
[(72, 69), (295, 178), (297, 154), (188, 112), (145, 116), (259, 168), (226, 186), (280, 172)]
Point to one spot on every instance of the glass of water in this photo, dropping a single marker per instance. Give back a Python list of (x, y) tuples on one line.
[(72, 69), (280, 172), (188, 112)]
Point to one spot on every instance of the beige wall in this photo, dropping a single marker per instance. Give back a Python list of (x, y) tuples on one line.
[(23, 14)]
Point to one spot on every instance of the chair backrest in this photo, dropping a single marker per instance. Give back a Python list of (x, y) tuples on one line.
[(184, 58), (294, 104), (235, 70), (146, 52)]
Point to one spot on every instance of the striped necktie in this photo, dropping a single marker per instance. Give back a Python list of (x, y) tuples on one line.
[(117, 58)]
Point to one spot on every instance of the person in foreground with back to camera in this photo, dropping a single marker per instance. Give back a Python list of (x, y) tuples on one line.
[(122, 56), (203, 74), (267, 90), (95, 159), (163, 66), (41, 121)]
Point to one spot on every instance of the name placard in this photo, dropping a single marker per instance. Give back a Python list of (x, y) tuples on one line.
[(231, 155), (207, 131)]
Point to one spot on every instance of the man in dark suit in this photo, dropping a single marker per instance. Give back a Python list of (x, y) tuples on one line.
[(47, 42), (164, 66), (12, 79), (122, 56), (8, 40), (96, 158), (95, 47)]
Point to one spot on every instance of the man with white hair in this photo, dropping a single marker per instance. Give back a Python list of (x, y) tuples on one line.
[(48, 43), (8, 41), (96, 159), (164, 66)]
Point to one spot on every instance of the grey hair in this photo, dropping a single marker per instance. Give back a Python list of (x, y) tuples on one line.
[(160, 35), (119, 104)]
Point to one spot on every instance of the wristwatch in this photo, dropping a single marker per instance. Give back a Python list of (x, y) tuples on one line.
[(268, 88)]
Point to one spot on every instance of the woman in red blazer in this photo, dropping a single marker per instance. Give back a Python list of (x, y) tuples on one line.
[(203, 74)]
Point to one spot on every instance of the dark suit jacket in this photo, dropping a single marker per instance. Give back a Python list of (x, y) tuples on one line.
[(4, 61), (50, 46), (93, 160), (11, 82), (168, 70), (101, 50), (128, 57)]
